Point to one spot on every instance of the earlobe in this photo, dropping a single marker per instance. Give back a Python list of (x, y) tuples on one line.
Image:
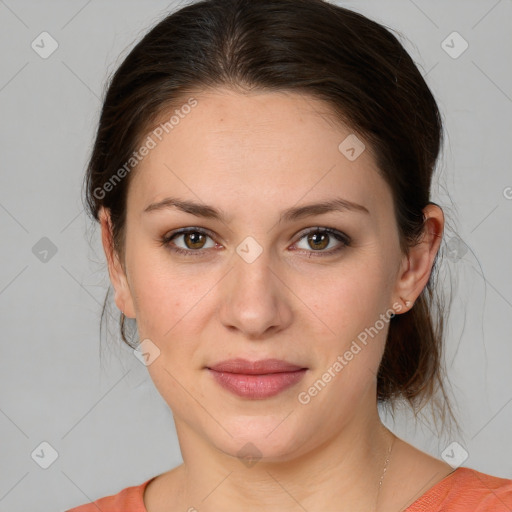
[(417, 265), (122, 293)]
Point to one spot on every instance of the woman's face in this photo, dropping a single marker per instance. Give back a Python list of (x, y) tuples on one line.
[(249, 281)]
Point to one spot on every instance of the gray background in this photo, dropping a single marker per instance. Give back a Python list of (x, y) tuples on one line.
[(93, 401)]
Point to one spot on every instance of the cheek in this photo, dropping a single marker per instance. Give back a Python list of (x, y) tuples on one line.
[(348, 330), (350, 338), (345, 299), (164, 294)]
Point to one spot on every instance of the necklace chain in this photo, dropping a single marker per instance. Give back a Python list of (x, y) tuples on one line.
[(385, 468)]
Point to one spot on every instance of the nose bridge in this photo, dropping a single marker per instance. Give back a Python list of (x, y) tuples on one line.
[(253, 300), (252, 267)]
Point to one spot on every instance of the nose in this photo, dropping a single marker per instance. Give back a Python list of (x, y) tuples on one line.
[(255, 299)]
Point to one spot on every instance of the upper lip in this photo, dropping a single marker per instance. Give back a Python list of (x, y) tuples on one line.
[(264, 366)]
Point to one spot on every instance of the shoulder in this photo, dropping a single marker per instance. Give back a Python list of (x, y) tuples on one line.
[(467, 489), (129, 499), (487, 491)]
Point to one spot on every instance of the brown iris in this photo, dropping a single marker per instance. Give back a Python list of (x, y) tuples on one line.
[(321, 240), (196, 240)]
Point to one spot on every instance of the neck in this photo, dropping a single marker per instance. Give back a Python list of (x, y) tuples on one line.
[(340, 473)]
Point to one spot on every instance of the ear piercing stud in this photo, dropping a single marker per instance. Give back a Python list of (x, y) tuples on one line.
[(406, 302)]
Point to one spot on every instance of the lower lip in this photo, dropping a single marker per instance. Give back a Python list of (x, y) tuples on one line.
[(257, 386)]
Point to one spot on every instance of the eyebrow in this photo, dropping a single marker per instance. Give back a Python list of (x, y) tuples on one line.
[(291, 214)]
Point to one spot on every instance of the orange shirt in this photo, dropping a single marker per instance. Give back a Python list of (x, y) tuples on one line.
[(463, 490)]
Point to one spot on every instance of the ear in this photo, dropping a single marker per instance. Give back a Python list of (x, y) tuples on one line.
[(123, 296), (417, 266)]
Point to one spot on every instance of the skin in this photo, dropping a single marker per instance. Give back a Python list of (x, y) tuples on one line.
[(254, 155)]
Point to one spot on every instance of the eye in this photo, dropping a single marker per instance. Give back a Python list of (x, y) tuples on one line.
[(192, 239), (318, 239)]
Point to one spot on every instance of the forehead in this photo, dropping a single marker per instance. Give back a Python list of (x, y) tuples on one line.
[(274, 146)]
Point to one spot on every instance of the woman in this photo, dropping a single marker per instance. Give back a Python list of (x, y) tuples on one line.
[(261, 174)]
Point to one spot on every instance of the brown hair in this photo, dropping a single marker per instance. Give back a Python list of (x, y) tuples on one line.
[(309, 46)]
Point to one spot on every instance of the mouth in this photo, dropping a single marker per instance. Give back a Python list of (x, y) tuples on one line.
[(258, 379)]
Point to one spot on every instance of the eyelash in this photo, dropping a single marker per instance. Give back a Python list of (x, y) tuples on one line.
[(341, 237)]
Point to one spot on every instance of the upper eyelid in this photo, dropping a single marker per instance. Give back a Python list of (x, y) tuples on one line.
[(184, 231)]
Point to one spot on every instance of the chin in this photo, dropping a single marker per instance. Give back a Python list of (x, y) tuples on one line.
[(261, 439)]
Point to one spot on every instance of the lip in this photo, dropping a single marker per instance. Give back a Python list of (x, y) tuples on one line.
[(256, 379), (264, 366)]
